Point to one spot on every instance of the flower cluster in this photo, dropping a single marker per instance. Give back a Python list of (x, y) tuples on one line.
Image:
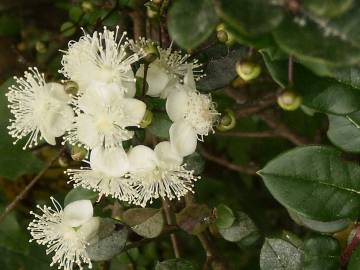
[(103, 114)]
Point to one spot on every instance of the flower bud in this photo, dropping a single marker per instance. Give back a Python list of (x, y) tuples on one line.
[(248, 70), (152, 10), (40, 47), (227, 121), (146, 121), (21, 46), (78, 153), (71, 87), (289, 100), (157, 2), (151, 52), (87, 6), (224, 36)]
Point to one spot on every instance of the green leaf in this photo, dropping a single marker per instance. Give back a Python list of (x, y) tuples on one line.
[(195, 162), (344, 131), (111, 240), (354, 263), (278, 254), (80, 193), (327, 8), (315, 182), (220, 68), (320, 40), (175, 264), (191, 22), (9, 25), (242, 228), (320, 226), (224, 216), (68, 29), (14, 161), (251, 17), (321, 253), (160, 125), (146, 222), (193, 217)]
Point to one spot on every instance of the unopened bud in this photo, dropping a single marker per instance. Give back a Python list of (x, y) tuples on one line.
[(289, 100), (151, 53), (248, 70), (152, 10), (40, 47), (157, 2), (146, 121), (227, 121), (78, 153), (87, 6), (71, 87), (21, 46), (224, 36)]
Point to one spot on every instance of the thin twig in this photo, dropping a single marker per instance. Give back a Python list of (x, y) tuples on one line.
[(282, 129), (291, 70), (137, 16), (146, 67), (212, 256), (346, 254), (256, 107), (25, 191), (249, 134), (174, 240), (250, 170)]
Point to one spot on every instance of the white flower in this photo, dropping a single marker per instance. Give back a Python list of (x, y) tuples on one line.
[(66, 233), (103, 116), (40, 109), (159, 173), (167, 71), (193, 114), (102, 57), (107, 174)]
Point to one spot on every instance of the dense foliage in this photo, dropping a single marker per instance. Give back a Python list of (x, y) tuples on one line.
[(280, 177)]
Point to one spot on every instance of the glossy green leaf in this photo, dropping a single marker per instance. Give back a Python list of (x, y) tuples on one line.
[(241, 228), (160, 125), (195, 162), (251, 17), (316, 182), (316, 39), (80, 193), (175, 264), (278, 254), (327, 8), (146, 222), (191, 22), (224, 216), (344, 131), (321, 253), (193, 218)]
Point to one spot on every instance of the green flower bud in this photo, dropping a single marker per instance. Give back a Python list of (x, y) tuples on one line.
[(40, 47), (87, 6), (71, 87), (289, 100), (152, 10), (157, 2), (224, 36), (78, 153), (146, 121), (151, 53), (227, 121), (248, 70)]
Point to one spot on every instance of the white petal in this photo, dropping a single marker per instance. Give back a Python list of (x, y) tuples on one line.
[(166, 153), (57, 91), (183, 138), (176, 104), (90, 229), (110, 161), (142, 159), (157, 78), (60, 121), (171, 86), (106, 91), (47, 134), (86, 130), (130, 86), (78, 212), (189, 80), (135, 110)]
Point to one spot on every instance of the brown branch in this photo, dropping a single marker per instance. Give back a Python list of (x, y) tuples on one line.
[(248, 134), (282, 129), (168, 215), (239, 95), (212, 257), (23, 194), (346, 254), (250, 170), (256, 107), (137, 16)]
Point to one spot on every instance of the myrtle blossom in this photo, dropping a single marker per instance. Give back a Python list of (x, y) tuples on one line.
[(107, 174), (194, 115), (159, 173), (40, 109), (103, 116), (167, 71), (66, 232), (102, 58)]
